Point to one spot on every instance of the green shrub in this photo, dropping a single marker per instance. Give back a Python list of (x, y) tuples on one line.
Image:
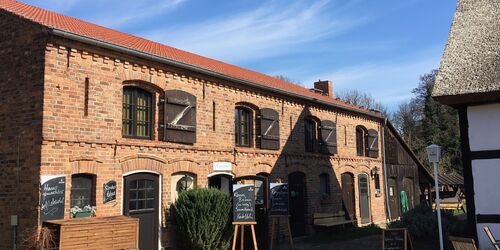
[(422, 224), (202, 219)]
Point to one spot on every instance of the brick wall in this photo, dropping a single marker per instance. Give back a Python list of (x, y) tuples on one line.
[(21, 88), (78, 142)]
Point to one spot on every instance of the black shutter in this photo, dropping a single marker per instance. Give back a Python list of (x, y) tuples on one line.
[(180, 117), (372, 143), (328, 137), (269, 129)]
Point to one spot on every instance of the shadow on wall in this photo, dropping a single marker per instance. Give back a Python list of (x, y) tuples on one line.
[(313, 183)]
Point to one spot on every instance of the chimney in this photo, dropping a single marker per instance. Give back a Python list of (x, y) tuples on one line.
[(325, 86)]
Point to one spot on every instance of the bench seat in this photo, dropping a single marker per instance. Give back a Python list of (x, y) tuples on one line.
[(330, 219)]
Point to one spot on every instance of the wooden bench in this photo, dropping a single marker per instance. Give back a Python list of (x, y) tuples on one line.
[(460, 243), (330, 219)]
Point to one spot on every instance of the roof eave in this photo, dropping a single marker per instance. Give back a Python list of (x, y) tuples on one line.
[(107, 45)]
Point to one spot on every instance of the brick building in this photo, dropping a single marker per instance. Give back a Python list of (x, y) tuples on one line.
[(94, 105)]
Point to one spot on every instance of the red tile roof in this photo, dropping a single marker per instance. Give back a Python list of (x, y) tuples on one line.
[(69, 24)]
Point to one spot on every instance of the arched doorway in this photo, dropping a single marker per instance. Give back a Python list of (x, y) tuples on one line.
[(221, 181), (298, 203), (141, 200), (364, 198), (348, 195)]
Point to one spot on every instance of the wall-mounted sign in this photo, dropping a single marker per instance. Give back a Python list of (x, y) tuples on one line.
[(243, 203), (109, 191), (222, 166), (279, 198), (52, 197)]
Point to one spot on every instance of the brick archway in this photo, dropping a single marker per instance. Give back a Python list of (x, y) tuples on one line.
[(84, 165), (142, 162)]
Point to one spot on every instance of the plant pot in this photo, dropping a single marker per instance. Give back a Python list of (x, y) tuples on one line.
[(82, 214)]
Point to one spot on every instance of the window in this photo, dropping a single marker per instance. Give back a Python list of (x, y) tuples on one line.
[(136, 113), (324, 186), (361, 141), (181, 182), (376, 179), (310, 135), (82, 190), (243, 126)]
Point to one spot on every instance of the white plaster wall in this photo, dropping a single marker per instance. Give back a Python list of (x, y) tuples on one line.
[(484, 127), (486, 175), (483, 241)]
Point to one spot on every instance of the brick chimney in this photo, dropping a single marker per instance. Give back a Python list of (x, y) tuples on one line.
[(325, 86)]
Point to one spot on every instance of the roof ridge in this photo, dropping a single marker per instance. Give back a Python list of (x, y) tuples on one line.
[(87, 29)]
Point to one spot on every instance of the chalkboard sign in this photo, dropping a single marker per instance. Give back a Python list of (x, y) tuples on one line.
[(395, 239), (52, 197), (243, 203), (279, 198), (109, 191)]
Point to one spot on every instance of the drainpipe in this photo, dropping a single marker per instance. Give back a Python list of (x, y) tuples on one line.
[(385, 171)]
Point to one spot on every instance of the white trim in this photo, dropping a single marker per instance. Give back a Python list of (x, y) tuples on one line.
[(220, 173), (160, 193)]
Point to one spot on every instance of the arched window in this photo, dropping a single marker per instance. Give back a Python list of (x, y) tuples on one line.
[(310, 135), (82, 190), (324, 185), (361, 141), (137, 106), (181, 182), (243, 126)]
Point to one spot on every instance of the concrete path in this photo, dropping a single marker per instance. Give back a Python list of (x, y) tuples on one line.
[(372, 242)]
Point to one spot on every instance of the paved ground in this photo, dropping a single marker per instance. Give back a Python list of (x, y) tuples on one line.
[(373, 242)]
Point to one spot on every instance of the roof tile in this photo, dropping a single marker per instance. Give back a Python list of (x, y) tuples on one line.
[(69, 24)]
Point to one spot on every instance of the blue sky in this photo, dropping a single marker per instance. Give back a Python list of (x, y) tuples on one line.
[(380, 47)]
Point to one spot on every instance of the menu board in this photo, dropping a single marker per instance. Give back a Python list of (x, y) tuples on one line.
[(394, 239), (109, 191), (243, 203), (52, 197), (279, 198)]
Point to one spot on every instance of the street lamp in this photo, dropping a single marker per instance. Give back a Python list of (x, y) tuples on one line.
[(434, 155)]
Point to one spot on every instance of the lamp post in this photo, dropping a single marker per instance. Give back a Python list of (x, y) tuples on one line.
[(434, 155)]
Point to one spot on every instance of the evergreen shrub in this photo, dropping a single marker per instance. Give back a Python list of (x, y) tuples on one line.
[(422, 224), (202, 218)]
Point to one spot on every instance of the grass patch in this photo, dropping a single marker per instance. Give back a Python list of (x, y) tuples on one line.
[(326, 235)]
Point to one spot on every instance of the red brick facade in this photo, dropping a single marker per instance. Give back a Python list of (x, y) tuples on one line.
[(61, 130)]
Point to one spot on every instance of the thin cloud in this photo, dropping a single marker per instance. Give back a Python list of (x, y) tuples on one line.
[(271, 29), (390, 83)]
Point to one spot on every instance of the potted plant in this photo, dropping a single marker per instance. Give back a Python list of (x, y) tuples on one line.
[(87, 211)]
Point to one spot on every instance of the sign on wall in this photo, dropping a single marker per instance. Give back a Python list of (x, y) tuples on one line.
[(222, 166), (279, 198), (52, 197), (109, 191), (243, 203)]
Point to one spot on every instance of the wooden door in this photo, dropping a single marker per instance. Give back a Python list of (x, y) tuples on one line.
[(348, 195), (410, 193), (141, 200), (393, 198), (261, 206), (364, 198), (298, 203)]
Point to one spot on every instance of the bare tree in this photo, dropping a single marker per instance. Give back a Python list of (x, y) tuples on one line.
[(356, 97), (287, 79)]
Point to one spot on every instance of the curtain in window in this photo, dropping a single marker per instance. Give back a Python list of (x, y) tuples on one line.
[(136, 113), (82, 189)]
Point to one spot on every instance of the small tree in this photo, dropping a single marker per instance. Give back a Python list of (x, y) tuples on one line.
[(203, 219)]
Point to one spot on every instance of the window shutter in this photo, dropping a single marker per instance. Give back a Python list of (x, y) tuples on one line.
[(180, 117), (269, 129), (328, 137), (372, 143)]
